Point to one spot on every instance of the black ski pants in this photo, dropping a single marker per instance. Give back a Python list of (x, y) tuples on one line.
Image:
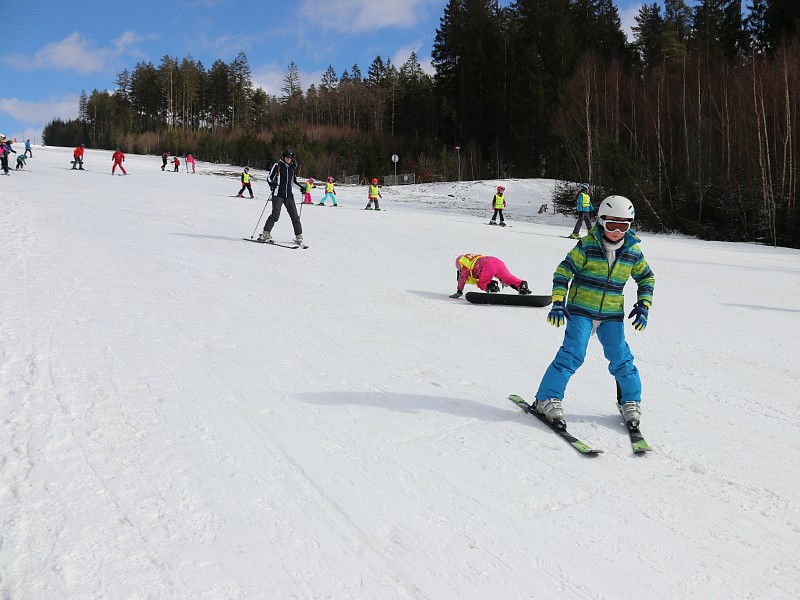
[(278, 203)]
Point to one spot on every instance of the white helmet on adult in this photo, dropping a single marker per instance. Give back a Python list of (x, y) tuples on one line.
[(616, 207)]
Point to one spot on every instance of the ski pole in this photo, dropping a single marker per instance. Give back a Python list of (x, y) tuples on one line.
[(262, 214)]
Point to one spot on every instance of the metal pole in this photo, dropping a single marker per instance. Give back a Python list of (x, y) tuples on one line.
[(458, 154), (262, 214)]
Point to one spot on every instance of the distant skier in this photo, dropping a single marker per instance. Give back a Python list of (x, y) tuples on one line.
[(164, 159), (177, 162), (28, 148), (281, 178), (498, 204), (330, 192), (245, 184), (599, 266), (21, 158), (118, 157), (481, 270), (190, 163), (585, 208), (307, 187), (373, 195), (4, 155), (77, 158)]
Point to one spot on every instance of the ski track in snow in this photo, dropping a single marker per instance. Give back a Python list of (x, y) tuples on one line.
[(186, 415)]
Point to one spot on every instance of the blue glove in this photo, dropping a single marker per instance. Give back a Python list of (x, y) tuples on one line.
[(639, 315), (558, 315)]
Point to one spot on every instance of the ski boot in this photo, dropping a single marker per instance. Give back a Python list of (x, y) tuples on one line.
[(523, 289), (550, 408), (502, 223), (492, 287), (265, 237), (631, 413), (492, 223)]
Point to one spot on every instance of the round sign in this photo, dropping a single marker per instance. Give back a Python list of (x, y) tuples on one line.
[(395, 158)]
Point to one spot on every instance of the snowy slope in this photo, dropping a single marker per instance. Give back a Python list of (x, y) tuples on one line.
[(186, 415)]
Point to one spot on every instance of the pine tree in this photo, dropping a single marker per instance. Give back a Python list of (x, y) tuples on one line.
[(648, 33), (291, 87)]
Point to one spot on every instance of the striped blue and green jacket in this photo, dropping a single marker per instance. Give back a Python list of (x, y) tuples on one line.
[(597, 289)]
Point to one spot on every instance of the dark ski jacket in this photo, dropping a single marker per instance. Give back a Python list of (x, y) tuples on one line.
[(281, 178)]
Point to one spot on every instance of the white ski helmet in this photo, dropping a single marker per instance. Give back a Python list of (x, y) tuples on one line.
[(616, 207)]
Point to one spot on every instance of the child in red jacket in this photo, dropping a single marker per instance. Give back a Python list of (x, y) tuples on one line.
[(118, 157)]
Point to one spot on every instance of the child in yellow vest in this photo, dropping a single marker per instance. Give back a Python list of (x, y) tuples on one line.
[(245, 184), (307, 187), (499, 203), (481, 270), (374, 194), (329, 191)]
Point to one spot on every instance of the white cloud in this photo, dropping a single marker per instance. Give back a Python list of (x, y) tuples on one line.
[(353, 16), (76, 53), (127, 43), (34, 115), (73, 53)]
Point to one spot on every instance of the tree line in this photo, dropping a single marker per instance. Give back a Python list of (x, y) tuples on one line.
[(695, 119)]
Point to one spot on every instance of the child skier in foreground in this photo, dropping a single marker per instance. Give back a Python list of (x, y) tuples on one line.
[(599, 266), (481, 271)]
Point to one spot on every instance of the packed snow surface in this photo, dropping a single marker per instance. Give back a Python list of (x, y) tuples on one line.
[(186, 415)]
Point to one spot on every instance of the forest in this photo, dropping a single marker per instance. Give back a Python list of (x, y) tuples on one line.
[(694, 118)]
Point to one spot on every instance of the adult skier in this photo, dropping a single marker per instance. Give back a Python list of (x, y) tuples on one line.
[(4, 155), (588, 296), (281, 178)]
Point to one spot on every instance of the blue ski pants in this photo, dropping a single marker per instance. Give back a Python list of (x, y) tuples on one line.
[(326, 196), (573, 352)]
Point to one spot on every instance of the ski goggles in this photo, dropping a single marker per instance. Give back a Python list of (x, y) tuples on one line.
[(612, 225)]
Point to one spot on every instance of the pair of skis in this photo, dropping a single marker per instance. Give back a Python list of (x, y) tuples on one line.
[(638, 444), (293, 246)]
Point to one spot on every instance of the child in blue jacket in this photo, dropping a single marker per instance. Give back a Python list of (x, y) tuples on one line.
[(588, 296)]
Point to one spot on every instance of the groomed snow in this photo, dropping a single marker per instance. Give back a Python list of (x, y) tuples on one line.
[(186, 415)]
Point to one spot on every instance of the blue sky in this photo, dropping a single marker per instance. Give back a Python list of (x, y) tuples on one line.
[(55, 49)]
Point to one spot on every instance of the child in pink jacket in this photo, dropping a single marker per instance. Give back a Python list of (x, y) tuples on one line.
[(481, 270)]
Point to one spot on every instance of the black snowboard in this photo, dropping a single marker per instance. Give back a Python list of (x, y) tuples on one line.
[(508, 299)]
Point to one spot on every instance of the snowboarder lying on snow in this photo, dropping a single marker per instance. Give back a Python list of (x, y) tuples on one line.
[(599, 266), (481, 271)]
